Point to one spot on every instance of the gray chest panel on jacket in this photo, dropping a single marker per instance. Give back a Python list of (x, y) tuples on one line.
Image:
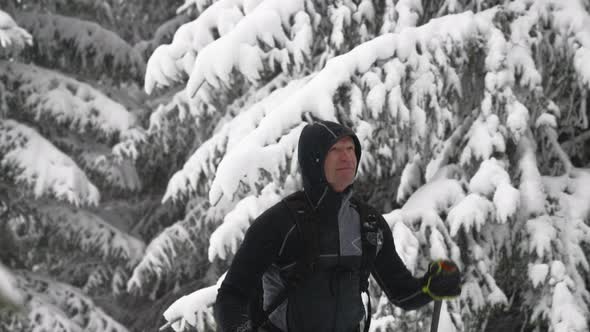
[(349, 227)]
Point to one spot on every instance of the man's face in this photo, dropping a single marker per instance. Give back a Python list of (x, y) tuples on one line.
[(340, 164)]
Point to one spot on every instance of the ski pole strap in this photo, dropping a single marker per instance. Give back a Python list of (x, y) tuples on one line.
[(368, 320)]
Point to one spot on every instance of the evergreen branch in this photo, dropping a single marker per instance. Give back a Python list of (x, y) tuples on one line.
[(226, 239), (92, 47), (73, 309), (581, 138), (265, 24), (558, 149), (199, 170), (10, 298), (43, 173), (200, 5), (66, 101), (449, 149), (54, 97), (91, 233), (12, 36), (110, 168), (162, 255), (172, 62), (164, 33), (200, 313)]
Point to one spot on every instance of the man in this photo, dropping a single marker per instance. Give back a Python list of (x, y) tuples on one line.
[(328, 297)]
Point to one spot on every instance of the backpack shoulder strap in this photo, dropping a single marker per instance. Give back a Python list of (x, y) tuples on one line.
[(371, 237), (306, 225), (372, 241)]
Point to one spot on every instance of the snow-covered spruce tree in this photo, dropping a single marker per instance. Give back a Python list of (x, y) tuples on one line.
[(472, 115), (81, 172)]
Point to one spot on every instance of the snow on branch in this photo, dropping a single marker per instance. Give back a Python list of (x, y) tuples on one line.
[(92, 234), (555, 275), (506, 60), (472, 212), (437, 196), (61, 307), (485, 137), (10, 296), (48, 95), (173, 62), (556, 235), (112, 166), (419, 223), (490, 175), (510, 61), (200, 5), (436, 166), (179, 248), (409, 11), (551, 136), (227, 238), (37, 163), (182, 109), (66, 100), (259, 159), (116, 170), (531, 185), (238, 49), (202, 165), (196, 309), (11, 35), (164, 33), (91, 45), (542, 233), (407, 245), (422, 211), (161, 254), (572, 19), (568, 313), (46, 314), (572, 192), (410, 179)]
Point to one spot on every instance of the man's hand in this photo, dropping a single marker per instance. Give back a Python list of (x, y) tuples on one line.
[(442, 280)]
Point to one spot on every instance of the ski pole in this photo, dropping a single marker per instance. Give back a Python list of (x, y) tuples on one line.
[(435, 316)]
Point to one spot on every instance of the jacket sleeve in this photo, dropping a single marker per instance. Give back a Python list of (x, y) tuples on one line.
[(258, 251), (393, 277)]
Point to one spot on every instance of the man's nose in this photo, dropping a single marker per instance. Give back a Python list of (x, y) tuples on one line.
[(347, 156)]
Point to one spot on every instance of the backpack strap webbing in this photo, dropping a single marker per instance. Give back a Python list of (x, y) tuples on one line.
[(372, 240)]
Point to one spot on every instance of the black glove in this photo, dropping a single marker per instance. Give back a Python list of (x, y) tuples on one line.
[(442, 280)]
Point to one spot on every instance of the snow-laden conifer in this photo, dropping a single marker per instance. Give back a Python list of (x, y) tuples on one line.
[(450, 107)]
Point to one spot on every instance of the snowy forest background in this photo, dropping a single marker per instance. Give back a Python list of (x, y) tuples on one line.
[(139, 139)]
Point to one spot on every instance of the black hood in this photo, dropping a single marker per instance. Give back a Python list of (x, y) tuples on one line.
[(314, 143)]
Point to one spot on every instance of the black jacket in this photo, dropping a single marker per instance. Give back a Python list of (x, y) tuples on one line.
[(328, 300)]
